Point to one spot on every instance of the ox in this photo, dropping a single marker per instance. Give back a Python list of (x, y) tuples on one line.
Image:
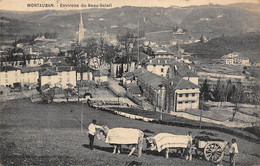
[(122, 136), (165, 141)]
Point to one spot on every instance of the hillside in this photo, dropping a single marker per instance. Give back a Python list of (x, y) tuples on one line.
[(210, 20), (248, 44)]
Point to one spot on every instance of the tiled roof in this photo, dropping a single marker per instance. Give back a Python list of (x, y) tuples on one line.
[(183, 69), (30, 69), (185, 84), (151, 79), (8, 68), (134, 89), (49, 72), (190, 74)]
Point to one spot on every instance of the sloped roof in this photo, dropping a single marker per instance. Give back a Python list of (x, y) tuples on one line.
[(30, 69), (49, 72), (185, 84), (8, 68), (134, 88), (183, 69), (151, 79), (128, 74), (190, 74)]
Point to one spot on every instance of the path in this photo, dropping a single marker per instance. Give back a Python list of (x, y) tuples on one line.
[(115, 87)]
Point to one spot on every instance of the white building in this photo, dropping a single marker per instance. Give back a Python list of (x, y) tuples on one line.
[(60, 77), (29, 75), (9, 76), (235, 59)]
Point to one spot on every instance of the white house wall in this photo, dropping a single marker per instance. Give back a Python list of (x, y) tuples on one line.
[(160, 70), (10, 77), (29, 78), (61, 80), (183, 102)]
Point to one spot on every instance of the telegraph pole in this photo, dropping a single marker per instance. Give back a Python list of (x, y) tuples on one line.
[(81, 126)]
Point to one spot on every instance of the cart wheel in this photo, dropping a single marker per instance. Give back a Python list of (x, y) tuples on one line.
[(213, 152)]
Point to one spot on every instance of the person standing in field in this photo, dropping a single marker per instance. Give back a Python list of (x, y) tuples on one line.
[(233, 151), (91, 133)]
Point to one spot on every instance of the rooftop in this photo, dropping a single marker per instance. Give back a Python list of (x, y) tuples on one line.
[(49, 72), (8, 68)]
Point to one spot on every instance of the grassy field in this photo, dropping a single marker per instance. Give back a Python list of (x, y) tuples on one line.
[(48, 134)]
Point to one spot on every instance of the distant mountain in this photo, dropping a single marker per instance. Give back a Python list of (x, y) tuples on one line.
[(248, 44), (209, 20)]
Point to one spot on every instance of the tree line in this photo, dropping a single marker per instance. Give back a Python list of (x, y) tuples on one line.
[(228, 91)]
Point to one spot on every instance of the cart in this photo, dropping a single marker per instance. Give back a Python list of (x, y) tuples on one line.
[(211, 148)]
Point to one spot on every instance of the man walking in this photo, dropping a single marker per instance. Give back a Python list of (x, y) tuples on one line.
[(233, 151), (91, 133)]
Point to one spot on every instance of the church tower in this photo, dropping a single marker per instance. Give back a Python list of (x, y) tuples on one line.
[(81, 30)]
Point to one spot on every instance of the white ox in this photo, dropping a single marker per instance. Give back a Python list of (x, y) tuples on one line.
[(166, 141), (123, 136)]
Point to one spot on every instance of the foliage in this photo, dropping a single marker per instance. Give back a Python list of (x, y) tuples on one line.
[(48, 95), (68, 93), (205, 91), (128, 42)]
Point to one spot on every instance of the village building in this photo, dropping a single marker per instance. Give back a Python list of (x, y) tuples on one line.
[(30, 76), (10, 76), (235, 59), (61, 77), (178, 93)]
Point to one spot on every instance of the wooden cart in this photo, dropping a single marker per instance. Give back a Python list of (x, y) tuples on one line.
[(211, 148)]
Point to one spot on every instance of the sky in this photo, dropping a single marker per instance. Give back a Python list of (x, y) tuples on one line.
[(21, 5)]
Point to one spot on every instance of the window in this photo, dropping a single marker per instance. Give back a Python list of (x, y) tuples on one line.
[(34, 62), (6, 81), (179, 102), (180, 95), (186, 102), (6, 75), (161, 69), (60, 79), (193, 94), (187, 95), (193, 101)]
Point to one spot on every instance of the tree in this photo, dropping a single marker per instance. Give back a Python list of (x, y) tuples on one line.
[(228, 90), (77, 59), (217, 91), (103, 48), (205, 91), (127, 42), (238, 92), (68, 93), (91, 49), (48, 95)]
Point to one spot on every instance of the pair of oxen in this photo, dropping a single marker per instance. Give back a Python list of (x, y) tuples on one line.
[(135, 139)]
